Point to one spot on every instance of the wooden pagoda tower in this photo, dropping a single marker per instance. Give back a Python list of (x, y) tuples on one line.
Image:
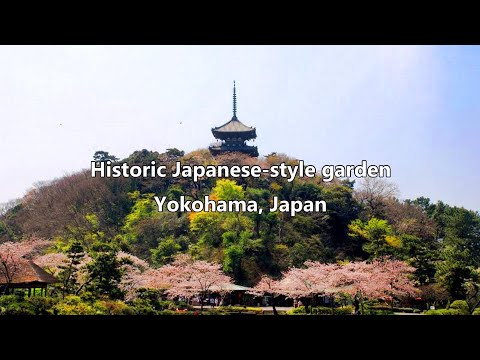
[(233, 135)]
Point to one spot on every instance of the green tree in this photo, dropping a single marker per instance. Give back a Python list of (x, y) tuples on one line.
[(262, 197), (69, 271), (165, 251), (146, 224), (104, 156), (174, 153), (105, 272), (463, 229), (377, 237), (425, 204), (454, 271), (423, 255), (460, 253)]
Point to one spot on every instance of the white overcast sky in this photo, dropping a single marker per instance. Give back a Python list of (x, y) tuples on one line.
[(415, 108)]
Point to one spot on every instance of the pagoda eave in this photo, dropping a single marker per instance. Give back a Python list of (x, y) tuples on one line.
[(224, 135), (250, 150)]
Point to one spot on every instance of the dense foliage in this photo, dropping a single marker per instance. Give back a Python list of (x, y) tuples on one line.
[(90, 221)]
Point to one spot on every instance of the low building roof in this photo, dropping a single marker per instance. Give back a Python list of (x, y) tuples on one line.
[(29, 272), (229, 287)]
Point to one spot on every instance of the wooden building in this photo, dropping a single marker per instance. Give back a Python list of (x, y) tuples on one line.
[(28, 276)]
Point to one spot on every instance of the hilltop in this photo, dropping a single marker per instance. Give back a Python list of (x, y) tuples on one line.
[(359, 224)]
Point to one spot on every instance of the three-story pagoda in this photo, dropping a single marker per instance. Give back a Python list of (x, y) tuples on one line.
[(233, 135)]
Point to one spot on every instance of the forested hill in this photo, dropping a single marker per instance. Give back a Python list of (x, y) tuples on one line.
[(440, 241)]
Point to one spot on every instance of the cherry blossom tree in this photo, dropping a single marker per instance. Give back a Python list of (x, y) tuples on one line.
[(295, 284), (189, 278), (138, 274), (393, 277), (267, 286), (13, 254), (387, 279), (356, 279), (306, 283), (133, 260), (51, 262)]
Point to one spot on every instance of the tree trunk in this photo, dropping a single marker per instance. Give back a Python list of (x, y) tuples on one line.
[(84, 284), (5, 290), (474, 307), (356, 304), (306, 303), (257, 228), (273, 305)]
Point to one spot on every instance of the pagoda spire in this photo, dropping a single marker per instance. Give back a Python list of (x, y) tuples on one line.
[(234, 102), (233, 135)]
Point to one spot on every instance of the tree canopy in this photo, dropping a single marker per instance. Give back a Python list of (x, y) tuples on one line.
[(96, 218)]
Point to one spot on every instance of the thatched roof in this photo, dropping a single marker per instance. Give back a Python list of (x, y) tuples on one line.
[(29, 272)]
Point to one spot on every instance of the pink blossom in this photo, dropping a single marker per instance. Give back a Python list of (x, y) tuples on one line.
[(12, 253), (188, 277), (139, 275), (51, 262), (265, 286)]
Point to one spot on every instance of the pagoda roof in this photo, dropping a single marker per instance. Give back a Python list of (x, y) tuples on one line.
[(234, 131), (217, 149), (234, 125)]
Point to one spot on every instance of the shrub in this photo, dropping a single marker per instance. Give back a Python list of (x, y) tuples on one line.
[(345, 310), (377, 311), (111, 307), (443, 312), (386, 308), (15, 305), (167, 312), (148, 294), (476, 311), (297, 311), (73, 305), (42, 305), (406, 310), (164, 305), (184, 306), (216, 311), (150, 298), (143, 307), (171, 306), (72, 300), (21, 308), (322, 310), (87, 297), (6, 300), (240, 309), (461, 306)]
